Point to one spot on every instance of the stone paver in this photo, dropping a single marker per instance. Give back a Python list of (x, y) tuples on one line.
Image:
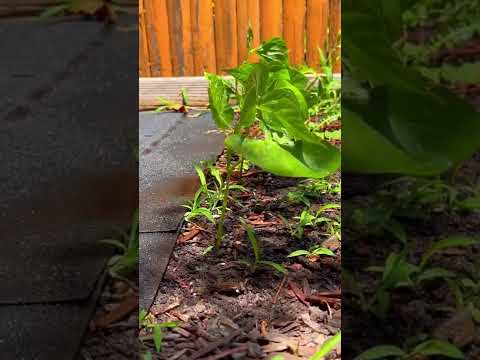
[(170, 144)]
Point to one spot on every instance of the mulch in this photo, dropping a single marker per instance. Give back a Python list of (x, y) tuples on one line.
[(226, 312)]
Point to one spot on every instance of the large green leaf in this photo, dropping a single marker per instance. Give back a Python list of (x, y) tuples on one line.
[(248, 111), (314, 160), (367, 150), (286, 107), (222, 112)]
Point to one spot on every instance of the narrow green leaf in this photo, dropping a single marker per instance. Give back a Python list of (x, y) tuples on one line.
[(157, 338), (274, 265), (380, 352), (299, 253), (438, 347), (452, 241), (222, 112), (327, 346)]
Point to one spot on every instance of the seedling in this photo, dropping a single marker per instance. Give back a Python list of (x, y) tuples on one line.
[(253, 264), (398, 272), (128, 246), (307, 218), (312, 253), (148, 322)]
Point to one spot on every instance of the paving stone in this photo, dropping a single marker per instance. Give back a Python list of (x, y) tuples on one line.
[(155, 250), (170, 144)]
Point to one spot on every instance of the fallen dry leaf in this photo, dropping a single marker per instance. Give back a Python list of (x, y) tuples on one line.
[(124, 308)]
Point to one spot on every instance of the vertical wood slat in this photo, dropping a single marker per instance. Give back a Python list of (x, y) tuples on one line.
[(143, 56), (271, 18), (294, 29), (158, 30), (203, 36), (188, 37), (179, 20), (226, 34), (317, 28), (335, 24), (248, 13)]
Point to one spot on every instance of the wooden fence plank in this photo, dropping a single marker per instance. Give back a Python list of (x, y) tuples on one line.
[(335, 24), (188, 37), (226, 34), (158, 30), (271, 18), (317, 26), (248, 13), (203, 36), (144, 66), (294, 29), (179, 20)]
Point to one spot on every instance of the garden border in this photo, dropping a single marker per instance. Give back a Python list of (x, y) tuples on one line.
[(152, 89)]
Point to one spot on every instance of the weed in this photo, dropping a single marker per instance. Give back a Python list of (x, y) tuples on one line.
[(252, 264), (307, 218), (398, 272), (149, 323)]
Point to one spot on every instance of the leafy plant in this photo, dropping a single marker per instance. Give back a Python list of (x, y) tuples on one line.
[(398, 272), (428, 347), (272, 96), (128, 246), (207, 199), (253, 264)]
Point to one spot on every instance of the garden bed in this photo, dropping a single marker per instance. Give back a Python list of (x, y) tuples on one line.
[(213, 297)]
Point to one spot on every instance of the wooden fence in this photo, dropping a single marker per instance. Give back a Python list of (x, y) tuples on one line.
[(188, 37)]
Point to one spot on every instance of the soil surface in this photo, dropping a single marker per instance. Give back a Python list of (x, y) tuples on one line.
[(223, 310), (113, 329), (430, 308)]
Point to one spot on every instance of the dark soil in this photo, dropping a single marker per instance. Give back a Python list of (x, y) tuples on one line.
[(428, 309), (226, 312), (118, 339)]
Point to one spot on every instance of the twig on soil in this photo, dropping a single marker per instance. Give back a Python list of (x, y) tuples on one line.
[(228, 352), (298, 293), (127, 306), (167, 309), (213, 346), (275, 298)]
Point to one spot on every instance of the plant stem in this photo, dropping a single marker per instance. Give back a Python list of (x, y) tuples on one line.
[(221, 223), (241, 168)]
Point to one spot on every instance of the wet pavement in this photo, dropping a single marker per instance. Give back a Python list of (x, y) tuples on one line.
[(170, 145)]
